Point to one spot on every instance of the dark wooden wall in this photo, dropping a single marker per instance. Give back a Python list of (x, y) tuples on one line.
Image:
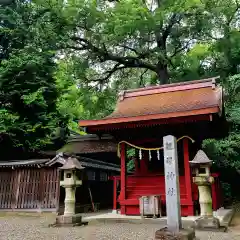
[(102, 195), (38, 188), (29, 188)]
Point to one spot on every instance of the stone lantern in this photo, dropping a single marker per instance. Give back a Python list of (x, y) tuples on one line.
[(71, 170), (203, 179)]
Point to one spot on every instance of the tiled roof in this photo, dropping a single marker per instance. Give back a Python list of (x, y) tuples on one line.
[(61, 159), (167, 101), (88, 162), (89, 145), (24, 163), (85, 162)]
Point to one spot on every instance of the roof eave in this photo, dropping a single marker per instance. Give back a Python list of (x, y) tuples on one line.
[(93, 123)]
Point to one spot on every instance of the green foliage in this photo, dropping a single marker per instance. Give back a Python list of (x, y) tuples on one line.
[(130, 159), (78, 100), (131, 152), (226, 152), (111, 40), (28, 92), (130, 165), (226, 190), (7, 121)]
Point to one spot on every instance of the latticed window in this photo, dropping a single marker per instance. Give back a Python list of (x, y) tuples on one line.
[(103, 176), (91, 175)]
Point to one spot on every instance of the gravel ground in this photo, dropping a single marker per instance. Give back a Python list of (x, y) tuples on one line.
[(36, 228)]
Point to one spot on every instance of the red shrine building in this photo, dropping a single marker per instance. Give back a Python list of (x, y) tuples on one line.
[(190, 111)]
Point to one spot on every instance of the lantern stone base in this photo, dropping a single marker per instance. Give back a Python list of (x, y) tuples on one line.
[(208, 223), (72, 220), (183, 234)]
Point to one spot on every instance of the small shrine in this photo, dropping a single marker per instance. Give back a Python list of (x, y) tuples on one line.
[(190, 111)]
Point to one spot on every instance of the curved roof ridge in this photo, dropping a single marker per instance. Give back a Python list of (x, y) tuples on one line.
[(172, 87)]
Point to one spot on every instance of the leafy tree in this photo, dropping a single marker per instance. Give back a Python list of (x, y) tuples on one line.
[(226, 152), (78, 100), (222, 22), (28, 91), (113, 38)]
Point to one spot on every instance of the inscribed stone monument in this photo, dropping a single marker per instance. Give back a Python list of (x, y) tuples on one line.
[(174, 228), (172, 183)]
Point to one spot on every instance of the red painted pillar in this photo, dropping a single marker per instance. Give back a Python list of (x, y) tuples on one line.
[(123, 177), (114, 194), (188, 177), (214, 195)]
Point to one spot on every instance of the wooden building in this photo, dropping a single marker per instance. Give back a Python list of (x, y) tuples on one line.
[(34, 184), (189, 111), (29, 184), (103, 149)]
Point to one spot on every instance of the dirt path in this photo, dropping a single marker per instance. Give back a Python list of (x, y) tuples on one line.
[(32, 228)]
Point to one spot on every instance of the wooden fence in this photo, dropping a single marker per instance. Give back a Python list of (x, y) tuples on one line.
[(29, 188)]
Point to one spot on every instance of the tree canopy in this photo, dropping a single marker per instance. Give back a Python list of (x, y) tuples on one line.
[(28, 90)]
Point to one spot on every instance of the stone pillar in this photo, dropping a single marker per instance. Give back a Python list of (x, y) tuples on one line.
[(207, 220), (69, 201), (172, 183), (205, 200)]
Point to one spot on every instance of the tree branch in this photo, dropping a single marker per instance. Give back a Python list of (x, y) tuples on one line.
[(129, 48), (233, 14), (161, 39), (180, 49), (76, 48), (104, 55), (110, 73), (141, 78), (168, 28)]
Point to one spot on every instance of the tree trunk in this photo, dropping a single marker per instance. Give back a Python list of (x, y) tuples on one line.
[(162, 73)]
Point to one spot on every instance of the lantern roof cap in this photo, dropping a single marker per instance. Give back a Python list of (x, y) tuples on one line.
[(71, 164), (201, 158)]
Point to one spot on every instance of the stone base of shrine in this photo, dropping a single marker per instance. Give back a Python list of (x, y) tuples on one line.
[(65, 221), (208, 224), (183, 234)]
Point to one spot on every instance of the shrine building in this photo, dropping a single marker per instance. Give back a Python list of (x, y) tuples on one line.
[(191, 111)]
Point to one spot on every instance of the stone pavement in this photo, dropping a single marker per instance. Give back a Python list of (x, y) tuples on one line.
[(13, 227)]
